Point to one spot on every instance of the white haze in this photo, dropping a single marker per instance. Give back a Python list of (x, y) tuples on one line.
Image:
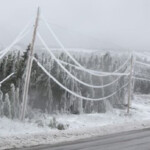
[(117, 24)]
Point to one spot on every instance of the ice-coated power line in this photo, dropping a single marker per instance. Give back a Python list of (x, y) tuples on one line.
[(63, 48), (6, 78), (103, 74), (2, 52), (20, 36), (5, 51), (75, 78), (141, 63), (73, 93), (137, 78)]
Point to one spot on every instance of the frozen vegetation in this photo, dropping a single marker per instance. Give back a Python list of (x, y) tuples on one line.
[(53, 115), (46, 95), (39, 130)]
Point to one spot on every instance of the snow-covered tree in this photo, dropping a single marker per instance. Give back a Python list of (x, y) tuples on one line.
[(12, 100), (4, 67), (7, 106), (1, 103), (17, 104)]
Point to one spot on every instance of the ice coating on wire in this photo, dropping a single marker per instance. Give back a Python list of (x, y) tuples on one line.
[(71, 57), (75, 78), (6, 78), (144, 79), (73, 93), (141, 63), (102, 73), (20, 36)]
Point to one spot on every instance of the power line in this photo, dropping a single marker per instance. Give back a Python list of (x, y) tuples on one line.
[(63, 48), (141, 63), (73, 93), (20, 36), (75, 78), (137, 78), (6, 78), (103, 74)]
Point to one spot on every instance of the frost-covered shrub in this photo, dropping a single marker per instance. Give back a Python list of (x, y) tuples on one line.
[(9, 104), (60, 126), (56, 125), (39, 123)]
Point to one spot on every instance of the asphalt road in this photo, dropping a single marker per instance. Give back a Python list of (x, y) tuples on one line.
[(133, 140)]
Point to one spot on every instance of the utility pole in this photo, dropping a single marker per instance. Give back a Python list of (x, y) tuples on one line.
[(130, 85), (29, 67)]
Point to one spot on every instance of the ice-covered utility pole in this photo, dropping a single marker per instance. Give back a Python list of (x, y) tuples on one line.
[(130, 85), (28, 68)]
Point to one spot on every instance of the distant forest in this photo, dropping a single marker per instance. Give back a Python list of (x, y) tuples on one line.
[(46, 96)]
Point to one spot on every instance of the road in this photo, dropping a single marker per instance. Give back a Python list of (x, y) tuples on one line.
[(133, 140)]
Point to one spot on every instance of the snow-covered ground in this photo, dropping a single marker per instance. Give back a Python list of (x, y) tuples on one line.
[(37, 132)]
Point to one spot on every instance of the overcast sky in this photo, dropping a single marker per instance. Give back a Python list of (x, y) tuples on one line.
[(105, 23)]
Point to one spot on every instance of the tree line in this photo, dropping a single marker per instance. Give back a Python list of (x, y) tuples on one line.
[(47, 96)]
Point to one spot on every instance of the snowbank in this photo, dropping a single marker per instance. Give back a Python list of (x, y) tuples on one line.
[(17, 134)]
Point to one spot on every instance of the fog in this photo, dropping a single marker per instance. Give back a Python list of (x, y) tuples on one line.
[(116, 24)]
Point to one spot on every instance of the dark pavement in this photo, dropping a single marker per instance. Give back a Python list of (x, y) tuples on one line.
[(133, 140)]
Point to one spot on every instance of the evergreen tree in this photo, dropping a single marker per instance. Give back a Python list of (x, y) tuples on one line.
[(23, 63), (4, 69)]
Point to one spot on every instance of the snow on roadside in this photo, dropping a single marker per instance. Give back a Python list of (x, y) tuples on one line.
[(17, 134)]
